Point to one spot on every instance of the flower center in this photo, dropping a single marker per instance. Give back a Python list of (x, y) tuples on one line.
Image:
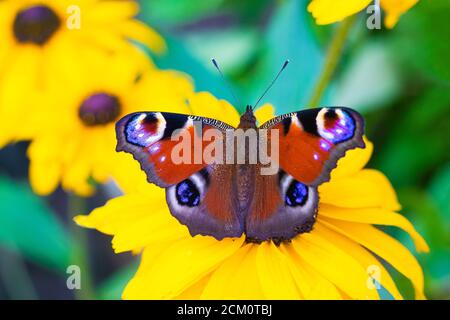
[(99, 109), (35, 24)]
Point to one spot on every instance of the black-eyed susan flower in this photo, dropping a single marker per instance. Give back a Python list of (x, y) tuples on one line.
[(42, 39), (75, 139), (338, 259), (329, 11)]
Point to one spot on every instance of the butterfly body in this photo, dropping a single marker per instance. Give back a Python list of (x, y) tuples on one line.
[(233, 197)]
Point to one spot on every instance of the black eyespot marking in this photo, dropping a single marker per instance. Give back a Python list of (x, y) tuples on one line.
[(286, 125), (308, 120), (187, 194), (173, 122), (150, 118), (296, 194), (331, 114)]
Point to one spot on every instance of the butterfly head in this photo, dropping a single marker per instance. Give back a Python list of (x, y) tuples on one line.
[(248, 119)]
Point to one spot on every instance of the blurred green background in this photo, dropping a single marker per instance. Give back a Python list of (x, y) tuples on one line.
[(399, 79)]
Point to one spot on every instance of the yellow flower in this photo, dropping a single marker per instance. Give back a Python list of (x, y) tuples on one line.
[(333, 261), (42, 39), (329, 11), (75, 139)]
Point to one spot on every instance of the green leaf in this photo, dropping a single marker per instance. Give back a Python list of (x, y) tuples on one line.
[(175, 11), (29, 227), (421, 39), (440, 192), (426, 216), (415, 138), (289, 36), (369, 81), (180, 57), (383, 293), (232, 47), (112, 288)]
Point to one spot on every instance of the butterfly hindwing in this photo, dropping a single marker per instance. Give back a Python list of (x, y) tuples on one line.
[(205, 203), (148, 136), (281, 208)]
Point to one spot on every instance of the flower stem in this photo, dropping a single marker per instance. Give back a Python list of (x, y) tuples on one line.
[(80, 257), (332, 58), (15, 277)]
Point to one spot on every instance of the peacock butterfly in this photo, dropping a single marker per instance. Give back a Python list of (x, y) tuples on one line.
[(230, 198)]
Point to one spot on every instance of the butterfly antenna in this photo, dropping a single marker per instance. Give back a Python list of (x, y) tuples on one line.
[(216, 65), (272, 83)]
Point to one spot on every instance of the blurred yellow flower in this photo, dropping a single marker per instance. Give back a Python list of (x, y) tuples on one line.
[(42, 39), (333, 261), (75, 137), (329, 11)]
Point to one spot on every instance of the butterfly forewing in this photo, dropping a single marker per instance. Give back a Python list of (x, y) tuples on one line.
[(152, 136), (311, 141)]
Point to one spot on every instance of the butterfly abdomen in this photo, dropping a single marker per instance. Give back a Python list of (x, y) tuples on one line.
[(245, 185)]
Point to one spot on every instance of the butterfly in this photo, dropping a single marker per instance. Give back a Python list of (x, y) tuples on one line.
[(223, 199)]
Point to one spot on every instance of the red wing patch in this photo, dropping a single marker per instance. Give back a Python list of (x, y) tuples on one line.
[(267, 197), (218, 198), (150, 138), (311, 141)]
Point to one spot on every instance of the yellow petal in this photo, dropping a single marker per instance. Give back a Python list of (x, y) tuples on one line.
[(136, 30), (149, 255), (5, 138), (264, 113), (166, 91), (375, 216), (206, 105), (384, 246), (128, 174), (18, 75), (394, 9), (179, 266), (64, 64), (76, 176), (45, 170), (44, 177), (329, 11), (195, 291), (368, 188), (312, 285), (366, 259), (124, 212), (104, 39), (157, 227), (274, 274), (335, 264), (121, 211), (236, 278), (107, 12), (353, 161)]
